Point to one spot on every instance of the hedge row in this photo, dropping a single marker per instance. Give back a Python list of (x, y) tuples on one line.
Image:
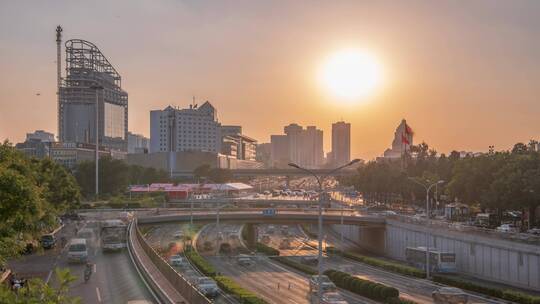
[(293, 264), (391, 266), (267, 250), (509, 295), (225, 283), (369, 289), (202, 264), (231, 287)]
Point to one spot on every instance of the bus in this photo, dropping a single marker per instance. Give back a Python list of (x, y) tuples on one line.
[(113, 235), (439, 261)]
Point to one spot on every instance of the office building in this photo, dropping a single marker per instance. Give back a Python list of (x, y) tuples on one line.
[(246, 147), (137, 143), (40, 135), (301, 146), (89, 75), (341, 144), (72, 154), (192, 129), (264, 154)]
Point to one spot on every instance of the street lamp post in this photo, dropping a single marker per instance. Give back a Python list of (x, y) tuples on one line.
[(428, 188), (320, 181), (97, 88)]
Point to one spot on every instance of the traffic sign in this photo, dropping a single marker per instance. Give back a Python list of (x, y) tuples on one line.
[(269, 212)]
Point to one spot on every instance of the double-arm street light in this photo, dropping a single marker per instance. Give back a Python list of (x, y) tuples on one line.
[(320, 181), (97, 88), (428, 188)]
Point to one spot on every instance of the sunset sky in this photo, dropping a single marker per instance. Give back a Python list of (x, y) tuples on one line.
[(465, 74)]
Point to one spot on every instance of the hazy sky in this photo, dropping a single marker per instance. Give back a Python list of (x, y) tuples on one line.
[(465, 74)]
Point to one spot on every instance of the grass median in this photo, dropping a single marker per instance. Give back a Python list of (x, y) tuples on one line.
[(225, 283)]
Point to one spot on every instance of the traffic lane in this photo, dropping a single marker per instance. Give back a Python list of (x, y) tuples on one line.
[(274, 284), (418, 290), (113, 279), (298, 245)]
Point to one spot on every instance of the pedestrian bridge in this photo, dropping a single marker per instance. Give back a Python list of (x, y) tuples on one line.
[(256, 217)]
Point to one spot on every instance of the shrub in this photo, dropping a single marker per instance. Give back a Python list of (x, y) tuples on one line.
[(366, 288), (293, 264), (231, 287), (267, 250), (201, 264), (391, 266), (509, 295)]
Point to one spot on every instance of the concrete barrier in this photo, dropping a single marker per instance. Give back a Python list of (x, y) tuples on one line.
[(176, 279)]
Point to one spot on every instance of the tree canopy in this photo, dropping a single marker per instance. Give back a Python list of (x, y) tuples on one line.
[(505, 180), (33, 193)]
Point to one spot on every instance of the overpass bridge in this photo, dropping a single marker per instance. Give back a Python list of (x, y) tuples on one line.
[(257, 217), (272, 172)]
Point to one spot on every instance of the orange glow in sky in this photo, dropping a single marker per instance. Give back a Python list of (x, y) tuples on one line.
[(464, 74)]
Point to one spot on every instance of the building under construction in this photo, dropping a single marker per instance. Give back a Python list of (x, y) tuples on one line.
[(90, 82)]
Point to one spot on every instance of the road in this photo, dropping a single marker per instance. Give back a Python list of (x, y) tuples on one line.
[(114, 279), (270, 280), (161, 238), (410, 288)]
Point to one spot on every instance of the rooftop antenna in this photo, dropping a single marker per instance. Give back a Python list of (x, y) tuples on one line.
[(58, 72)]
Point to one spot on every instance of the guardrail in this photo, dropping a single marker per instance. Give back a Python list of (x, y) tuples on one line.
[(158, 294), (177, 280)]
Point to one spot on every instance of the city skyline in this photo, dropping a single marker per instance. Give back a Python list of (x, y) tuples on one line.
[(466, 97)]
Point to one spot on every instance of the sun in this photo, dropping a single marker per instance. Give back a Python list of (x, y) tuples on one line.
[(351, 74)]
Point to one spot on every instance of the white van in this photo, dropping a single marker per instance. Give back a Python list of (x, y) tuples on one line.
[(77, 251)]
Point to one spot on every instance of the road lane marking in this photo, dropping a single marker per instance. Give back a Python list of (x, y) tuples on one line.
[(48, 276), (95, 268), (98, 294)]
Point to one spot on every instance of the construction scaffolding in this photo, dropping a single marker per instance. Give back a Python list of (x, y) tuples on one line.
[(91, 84)]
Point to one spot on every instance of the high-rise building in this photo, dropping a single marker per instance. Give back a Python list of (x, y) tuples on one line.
[(89, 74), (341, 143), (403, 140), (137, 143), (192, 129), (301, 146)]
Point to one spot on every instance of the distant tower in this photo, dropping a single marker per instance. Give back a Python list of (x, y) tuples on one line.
[(58, 69)]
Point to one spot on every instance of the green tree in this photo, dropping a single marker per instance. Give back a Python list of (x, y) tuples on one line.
[(37, 291)]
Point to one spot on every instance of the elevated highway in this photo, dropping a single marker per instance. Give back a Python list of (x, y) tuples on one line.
[(257, 216), (271, 172)]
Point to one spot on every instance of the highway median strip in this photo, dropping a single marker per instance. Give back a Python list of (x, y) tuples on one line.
[(366, 288), (380, 263), (505, 294), (225, 283)]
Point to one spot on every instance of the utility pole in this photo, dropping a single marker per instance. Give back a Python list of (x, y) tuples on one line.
[(58, 74), (97, 88)]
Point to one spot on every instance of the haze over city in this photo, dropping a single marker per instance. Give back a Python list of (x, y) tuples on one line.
[(461, 79)]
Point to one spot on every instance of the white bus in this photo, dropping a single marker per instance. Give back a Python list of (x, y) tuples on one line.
[(113, 235), (439, 261)]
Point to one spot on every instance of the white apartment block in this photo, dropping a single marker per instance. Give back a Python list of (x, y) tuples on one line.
[(191, 129)]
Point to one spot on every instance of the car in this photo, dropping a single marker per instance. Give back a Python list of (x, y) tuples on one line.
[(535, 231), (326, 284), (449, 295), (309, 260), (332, 298), (178, 234), (507, 228), (48, 241), (285, 244), (266, 192), (245, 261), (256, 195), (265, 239), (271, 229), (207, 286), (77, 251), (178, 260)]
